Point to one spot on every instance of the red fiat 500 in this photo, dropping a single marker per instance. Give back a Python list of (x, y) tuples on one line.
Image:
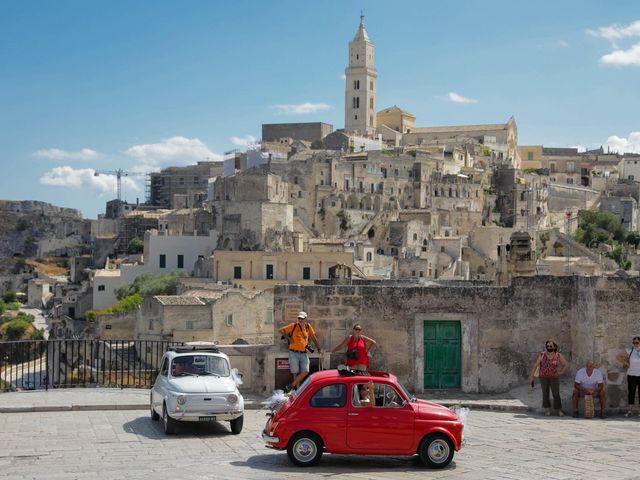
[(335, 413)]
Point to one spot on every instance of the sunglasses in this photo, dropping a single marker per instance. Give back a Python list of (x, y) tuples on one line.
[(636, 343), (358, 329)]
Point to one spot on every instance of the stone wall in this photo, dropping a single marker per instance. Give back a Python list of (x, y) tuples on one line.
[(503, 328)]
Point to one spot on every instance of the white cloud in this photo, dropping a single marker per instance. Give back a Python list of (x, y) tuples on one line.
[(174, 151), (243, 141), (613, 33), (456, 98), (562, 44), (343, 76), (631, 144), (85, 178), (300, 108), (58, 154), (623, 58)]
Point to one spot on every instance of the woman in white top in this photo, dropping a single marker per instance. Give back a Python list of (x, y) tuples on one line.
[(630, 358)]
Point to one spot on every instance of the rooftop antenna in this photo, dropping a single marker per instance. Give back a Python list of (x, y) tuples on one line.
[(361, 16)]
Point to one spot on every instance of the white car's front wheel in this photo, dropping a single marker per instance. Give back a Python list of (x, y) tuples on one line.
[(168, 423)]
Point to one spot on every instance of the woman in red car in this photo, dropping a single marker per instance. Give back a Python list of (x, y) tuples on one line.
[(358, 349)]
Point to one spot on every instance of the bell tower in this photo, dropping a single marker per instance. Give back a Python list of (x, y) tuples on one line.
[(361, 83)]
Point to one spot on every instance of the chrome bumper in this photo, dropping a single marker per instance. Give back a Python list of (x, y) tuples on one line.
[(268, 439)]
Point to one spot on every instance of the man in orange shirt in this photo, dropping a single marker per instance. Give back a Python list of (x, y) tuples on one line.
[(299, 334)]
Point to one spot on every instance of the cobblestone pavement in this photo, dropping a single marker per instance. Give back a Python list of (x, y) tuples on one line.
[(128, 445)]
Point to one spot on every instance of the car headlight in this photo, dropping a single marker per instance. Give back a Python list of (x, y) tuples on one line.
[(232, 398), (181, 399)]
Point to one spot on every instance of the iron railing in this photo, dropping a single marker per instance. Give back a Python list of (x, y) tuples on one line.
[(44, 364)]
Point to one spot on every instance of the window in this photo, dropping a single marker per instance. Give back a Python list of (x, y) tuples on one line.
[(369, 256), (295, 180), (415, 237), (151, 324), (306, 273), (163, 261), (164, 371), (442, 247), (237, 272), (299, 193), (630, 177), (189, 325), (421, 274), (371, 102), (269, 272), (269, 316), (413, 273), (331, 396), (569, 181), (552, 167), (180, 261), (228, 320), (396, 173), (371, 85), (530, 156), (101, 287)]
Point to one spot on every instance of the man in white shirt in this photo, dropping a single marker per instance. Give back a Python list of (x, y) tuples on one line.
[(589, 381)]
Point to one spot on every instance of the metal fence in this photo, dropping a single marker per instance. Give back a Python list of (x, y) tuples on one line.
[(44, 364)]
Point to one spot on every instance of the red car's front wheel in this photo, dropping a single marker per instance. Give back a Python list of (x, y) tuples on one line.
[(436, 450)]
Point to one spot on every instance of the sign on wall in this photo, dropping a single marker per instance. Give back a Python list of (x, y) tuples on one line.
[(291, 310)]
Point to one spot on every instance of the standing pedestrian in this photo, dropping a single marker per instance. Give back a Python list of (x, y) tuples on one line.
[(630, 358), (299, 333), (551, 364), (358, 349)]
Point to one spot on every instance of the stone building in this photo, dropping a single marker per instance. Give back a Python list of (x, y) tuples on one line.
[(182, 187), (282, 132), (251, 211), (474, 337), (259, 269), (226, 317)]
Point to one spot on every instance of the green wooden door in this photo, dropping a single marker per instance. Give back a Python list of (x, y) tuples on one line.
[(442, 354)]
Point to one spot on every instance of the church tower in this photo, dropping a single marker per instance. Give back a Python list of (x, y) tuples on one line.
[(360, 90)]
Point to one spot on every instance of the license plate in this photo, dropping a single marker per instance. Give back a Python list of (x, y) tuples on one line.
[(207, 419)]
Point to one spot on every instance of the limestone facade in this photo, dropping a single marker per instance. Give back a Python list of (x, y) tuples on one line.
[(503, 328)]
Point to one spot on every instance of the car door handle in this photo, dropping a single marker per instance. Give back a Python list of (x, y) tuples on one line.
[(353, 414)]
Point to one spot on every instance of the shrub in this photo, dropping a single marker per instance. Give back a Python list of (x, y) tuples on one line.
[(13, 306), (9, 296), (135, 246), (15, 329), (146, 285), (126, 304)]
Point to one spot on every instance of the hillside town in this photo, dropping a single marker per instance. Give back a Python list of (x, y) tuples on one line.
[(384, 221)]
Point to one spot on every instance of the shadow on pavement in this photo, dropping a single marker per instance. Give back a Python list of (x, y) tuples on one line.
[(337, 464), (153, 429)]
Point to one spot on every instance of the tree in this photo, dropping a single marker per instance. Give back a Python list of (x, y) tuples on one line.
[(135, 247)]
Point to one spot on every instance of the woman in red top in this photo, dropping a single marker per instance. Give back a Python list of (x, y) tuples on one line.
[(358, 349), (551, 366)]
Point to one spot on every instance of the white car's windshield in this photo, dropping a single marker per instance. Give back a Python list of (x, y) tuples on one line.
[(186, 365)]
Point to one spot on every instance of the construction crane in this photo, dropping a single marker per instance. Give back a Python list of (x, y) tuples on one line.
[(119, 173)]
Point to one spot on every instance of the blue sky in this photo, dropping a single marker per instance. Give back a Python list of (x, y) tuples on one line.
[(148, 84)]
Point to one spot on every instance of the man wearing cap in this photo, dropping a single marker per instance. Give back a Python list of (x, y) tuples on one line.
[(299, 333)]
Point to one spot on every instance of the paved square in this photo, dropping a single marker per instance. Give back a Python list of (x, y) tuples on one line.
[(128, 445)]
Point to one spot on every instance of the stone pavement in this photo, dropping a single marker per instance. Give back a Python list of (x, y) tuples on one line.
[(126, 444)]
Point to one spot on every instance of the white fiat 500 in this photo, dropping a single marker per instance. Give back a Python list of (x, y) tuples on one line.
[(196, 384)]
